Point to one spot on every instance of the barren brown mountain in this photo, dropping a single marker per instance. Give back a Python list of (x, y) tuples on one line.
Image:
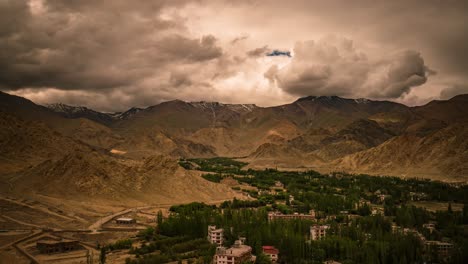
[(44, 153), (83, 148)]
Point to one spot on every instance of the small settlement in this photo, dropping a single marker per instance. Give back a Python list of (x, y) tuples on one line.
[(237, 253)]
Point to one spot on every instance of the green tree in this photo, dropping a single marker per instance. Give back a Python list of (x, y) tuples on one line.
[(102, 256), (262, 259), (159, 218), (465, 214)]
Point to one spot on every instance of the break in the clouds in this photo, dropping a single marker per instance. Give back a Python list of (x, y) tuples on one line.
[(111, 55), (279, 53)]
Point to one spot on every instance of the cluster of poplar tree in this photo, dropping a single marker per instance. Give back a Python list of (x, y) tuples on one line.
[(364, 240)]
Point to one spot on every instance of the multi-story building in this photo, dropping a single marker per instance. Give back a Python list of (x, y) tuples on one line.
[(271, 252), (215, 235), (237, 254), (318, 232), (442, 249)]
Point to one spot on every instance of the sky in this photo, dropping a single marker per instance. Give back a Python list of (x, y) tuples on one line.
[(113, 55)]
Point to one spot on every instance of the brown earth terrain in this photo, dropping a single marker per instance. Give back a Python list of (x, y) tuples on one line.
[(69, 172)]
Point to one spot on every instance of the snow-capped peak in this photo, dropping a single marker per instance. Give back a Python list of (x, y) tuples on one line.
[(124, 115), (233, 107), (67, 109)]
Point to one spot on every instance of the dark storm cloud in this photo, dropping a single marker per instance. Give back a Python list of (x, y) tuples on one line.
[(92, 45), (193, 50), (129, 53)]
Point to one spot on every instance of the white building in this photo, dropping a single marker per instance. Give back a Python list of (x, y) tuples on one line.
[(125, 221), (215, 235), (318, 232), (279, 184), (237, 254)]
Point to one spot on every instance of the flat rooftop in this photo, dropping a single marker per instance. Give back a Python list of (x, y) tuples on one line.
[(53, 242), (124, 219), (238, 251)]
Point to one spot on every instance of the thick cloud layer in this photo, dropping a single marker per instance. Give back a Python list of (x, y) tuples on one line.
[(333, 66), (72, 46), (454, 90), (111, 55)]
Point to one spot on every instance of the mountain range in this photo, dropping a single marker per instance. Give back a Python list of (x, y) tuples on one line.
[(109, 154)]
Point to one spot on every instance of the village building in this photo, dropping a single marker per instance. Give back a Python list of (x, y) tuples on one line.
[(318, 232), (353, 216), (330, 217), (125, 221), (271, 252), (238, 253), (279, 184), (418, 196), (279, 216), (361, 202), (377, 211), (215, 235), (382, 197), (430, 227), (50, 246), (443, 249), (367, 236), (406, 231)]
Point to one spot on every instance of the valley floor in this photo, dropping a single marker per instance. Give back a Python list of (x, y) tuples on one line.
[(26, 220)]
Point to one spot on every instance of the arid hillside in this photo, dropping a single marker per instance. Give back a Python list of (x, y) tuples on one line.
[(442, 155), (326, 133), (44, 154), (82, 175)]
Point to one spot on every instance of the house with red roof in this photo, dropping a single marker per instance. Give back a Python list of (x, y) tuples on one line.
[(271, 252)]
